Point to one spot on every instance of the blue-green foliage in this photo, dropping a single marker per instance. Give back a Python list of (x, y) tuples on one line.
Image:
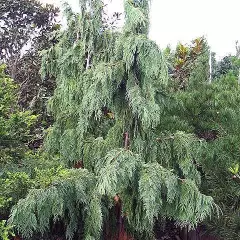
[(108, 107)]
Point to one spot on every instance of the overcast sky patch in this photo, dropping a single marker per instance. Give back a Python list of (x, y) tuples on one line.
[(183, 20)]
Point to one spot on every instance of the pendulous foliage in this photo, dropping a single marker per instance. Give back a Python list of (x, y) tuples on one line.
[(109, 106)]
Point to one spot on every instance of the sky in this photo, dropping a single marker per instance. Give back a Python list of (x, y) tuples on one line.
[(183, 20)]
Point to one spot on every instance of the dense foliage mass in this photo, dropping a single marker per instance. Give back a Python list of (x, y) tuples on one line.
[(24, 32), (107, 106), (15, 128), (141, 138)]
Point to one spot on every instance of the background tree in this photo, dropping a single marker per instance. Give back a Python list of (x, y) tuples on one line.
[(227, 65), (24, 31), (185, 59)]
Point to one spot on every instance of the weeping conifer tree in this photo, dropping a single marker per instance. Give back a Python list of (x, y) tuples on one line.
[(107, 106)]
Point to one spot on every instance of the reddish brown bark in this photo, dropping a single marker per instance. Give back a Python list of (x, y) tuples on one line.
[(78, 164), (121, 231), (126, 140), (17, 237)]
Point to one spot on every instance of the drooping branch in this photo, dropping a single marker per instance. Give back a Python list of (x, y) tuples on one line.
[(126, 140)]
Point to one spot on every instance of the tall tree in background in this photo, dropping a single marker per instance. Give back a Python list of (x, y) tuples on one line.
[(108, 107), (24, 31)]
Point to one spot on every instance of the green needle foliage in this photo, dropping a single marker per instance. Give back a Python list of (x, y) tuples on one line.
[(211, 112), (214, 111), (108, 107)]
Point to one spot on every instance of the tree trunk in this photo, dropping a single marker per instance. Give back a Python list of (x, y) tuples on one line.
[(184, 234)]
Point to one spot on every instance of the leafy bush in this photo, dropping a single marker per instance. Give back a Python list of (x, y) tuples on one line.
[(15, 125), (6, 231)]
